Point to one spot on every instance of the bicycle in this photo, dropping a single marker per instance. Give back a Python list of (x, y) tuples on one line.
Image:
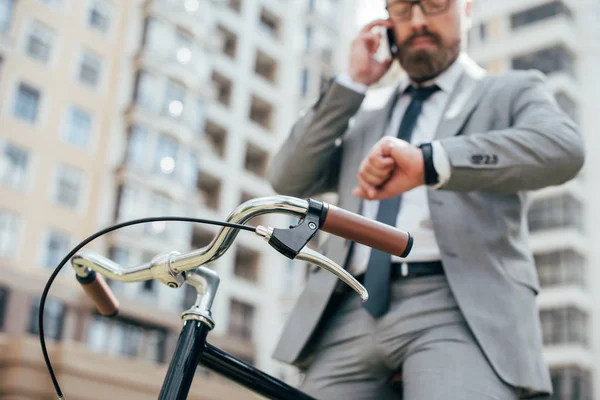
[(175, 270)]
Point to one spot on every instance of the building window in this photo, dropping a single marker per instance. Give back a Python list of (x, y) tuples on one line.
[(131, 202), (256, 160), (39, 42), (482, 31), (269, 24), (89, 69), (53, 3), (241, 320), (27, 103), (266, 66), (210, 190), (550, 60), (6, 9), (261, 112), (10, 225), (235, 5), (69, 186), (160, 205), (99, 16), (247, 264), (564, 325), (183, 46), (166, 155), (13, 172), (558, 212), (216, 136), (229, 47), (189, 169), (124, 337), (223, 87), (539, 13), (174, 97), (308, 36), (137, 147), (564, 267), (54, 315), (146, 86), (57, 247), (571, 383), (305, 82), (78, 129), (4, 294), (567, 104)]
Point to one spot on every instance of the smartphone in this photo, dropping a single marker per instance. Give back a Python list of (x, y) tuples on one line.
[(391, 37)]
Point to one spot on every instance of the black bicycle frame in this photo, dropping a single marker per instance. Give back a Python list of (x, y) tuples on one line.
[(192, 349)]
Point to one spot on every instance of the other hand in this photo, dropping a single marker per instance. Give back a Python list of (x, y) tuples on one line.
[(392, 167), (363, 68)]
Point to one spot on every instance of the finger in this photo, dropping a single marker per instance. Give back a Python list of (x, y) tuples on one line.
[(373, 179), (359, 192), (378, 22), (379, 173), (381, 162), (368, 189)]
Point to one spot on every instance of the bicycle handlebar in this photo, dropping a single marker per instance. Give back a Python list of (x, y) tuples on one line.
[(170, 268), (366, 231), (100, 293)]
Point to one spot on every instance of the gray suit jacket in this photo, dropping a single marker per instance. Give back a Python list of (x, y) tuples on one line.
[(504, 136)]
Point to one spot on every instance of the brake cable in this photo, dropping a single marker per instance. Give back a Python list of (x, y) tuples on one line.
[(96, 235)]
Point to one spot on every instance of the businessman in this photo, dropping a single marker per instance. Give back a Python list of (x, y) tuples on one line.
[(447, 153)]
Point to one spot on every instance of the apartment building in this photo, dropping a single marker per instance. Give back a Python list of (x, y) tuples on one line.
[(558, 38), (118, 110)]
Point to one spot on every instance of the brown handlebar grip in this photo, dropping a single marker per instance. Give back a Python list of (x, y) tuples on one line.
[(366, 231), (98, 290)]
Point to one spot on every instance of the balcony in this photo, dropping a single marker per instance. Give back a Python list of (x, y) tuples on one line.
[(194, 15), (173, 53), (558, 31)]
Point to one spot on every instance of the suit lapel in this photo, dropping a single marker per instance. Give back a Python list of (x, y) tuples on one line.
[(374, 131), (379, 123), (463, 99)]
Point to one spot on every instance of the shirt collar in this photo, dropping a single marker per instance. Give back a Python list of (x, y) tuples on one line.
[(446, 80)]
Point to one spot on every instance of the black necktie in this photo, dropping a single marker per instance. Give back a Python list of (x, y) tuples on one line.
[(377, 276)]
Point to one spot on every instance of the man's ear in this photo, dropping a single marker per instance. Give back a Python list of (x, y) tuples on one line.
[(468, 7)]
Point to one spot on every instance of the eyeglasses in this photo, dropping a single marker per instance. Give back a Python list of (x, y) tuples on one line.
[(401, 10)]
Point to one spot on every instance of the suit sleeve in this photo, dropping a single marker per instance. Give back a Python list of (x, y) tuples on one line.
[(543, 147), (308, 162)]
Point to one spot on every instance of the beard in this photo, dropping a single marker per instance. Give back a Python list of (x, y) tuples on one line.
[(425, 64)]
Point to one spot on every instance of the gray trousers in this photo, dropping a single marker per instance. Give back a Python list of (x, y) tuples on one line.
[(424, 334)]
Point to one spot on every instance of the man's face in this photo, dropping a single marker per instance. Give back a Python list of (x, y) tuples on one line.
[(427, 44)]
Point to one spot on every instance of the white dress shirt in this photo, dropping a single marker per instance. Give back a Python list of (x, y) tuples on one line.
[(414, 211)]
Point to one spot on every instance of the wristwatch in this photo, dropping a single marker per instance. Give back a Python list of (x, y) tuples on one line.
[(431, 175)]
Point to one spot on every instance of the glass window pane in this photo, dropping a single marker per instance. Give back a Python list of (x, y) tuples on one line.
[(78, 128), (9, 233), (69, 186), (13, 166), (27, 103), (89, 70), (39, 42), (137, 148), (166, 155), (6, 10), (54, 313), (57, 247)]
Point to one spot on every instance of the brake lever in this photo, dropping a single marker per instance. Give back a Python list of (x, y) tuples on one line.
[(320, 260)]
